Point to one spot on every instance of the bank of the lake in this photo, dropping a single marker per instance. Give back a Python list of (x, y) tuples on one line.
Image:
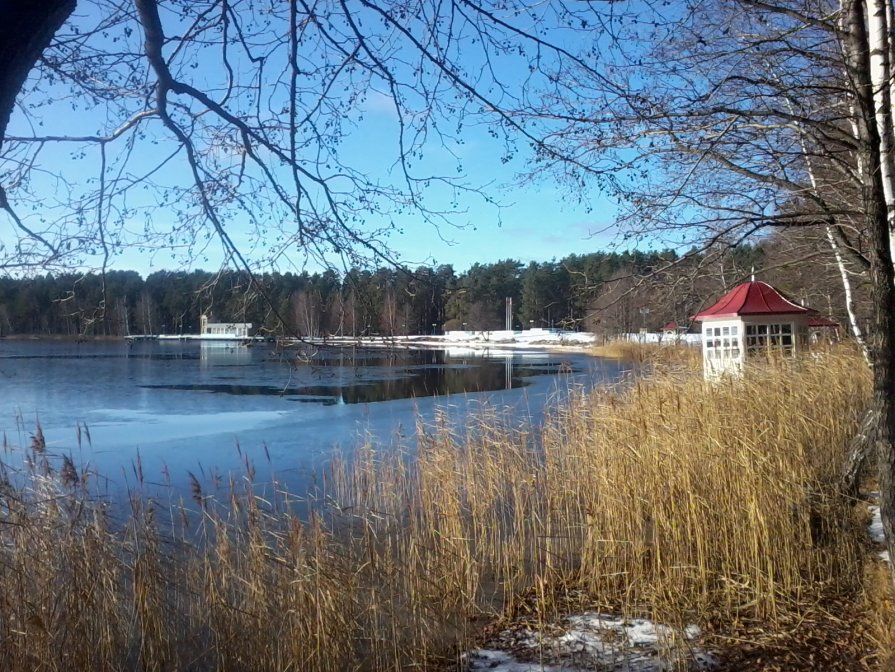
[(208, 407), (706, 519)]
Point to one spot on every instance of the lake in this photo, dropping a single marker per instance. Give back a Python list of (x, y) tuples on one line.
[(203, 407)]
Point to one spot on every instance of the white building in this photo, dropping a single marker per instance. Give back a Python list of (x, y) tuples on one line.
[(751, 321), (224, 329)]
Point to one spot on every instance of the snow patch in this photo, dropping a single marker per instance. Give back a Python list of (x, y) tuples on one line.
[(876, 526), (505, 339), (499, 661), (592, 641), (876, 531)]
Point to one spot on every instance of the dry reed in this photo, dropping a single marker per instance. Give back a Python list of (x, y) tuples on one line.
[(668, 497), (669, 353)]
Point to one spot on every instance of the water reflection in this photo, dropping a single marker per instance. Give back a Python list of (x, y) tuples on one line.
[(367, 376), (187, 407), (211, 353)]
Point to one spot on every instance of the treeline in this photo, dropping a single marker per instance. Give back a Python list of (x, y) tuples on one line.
[(603, 292)]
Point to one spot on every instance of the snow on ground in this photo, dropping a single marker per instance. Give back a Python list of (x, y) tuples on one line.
[(507, 340), (876, 530), (656, 338), (591, 641)]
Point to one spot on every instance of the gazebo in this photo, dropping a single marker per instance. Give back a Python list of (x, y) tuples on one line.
[(670, 329), (752, 320)]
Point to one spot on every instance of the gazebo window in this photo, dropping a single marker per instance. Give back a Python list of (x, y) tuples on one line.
[(769, 337), (722, 342)]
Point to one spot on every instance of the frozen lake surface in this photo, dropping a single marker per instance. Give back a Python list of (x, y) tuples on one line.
[(203, 407)]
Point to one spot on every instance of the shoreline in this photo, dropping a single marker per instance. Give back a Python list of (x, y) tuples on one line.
[(407, 342), (59, 337), (484, 342)]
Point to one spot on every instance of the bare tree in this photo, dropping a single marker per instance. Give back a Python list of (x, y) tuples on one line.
[(711, 122), (739, 118), (389, 320), (171, 124), (306, 312)]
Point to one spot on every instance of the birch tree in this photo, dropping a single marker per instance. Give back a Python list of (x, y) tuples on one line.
[(868, 60), (745, 117)]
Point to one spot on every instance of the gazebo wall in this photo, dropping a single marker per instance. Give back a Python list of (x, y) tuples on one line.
[(786, 334), (722, 346), (728, 343)]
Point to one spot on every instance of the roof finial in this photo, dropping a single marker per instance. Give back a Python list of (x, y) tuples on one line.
[(753, 274)]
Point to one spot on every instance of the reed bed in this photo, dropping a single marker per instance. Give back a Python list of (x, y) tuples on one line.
[(669, 353), (666, 497)]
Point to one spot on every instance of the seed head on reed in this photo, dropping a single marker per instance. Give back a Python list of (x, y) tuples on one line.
[(68, 474), (38, 442), (195, 488)]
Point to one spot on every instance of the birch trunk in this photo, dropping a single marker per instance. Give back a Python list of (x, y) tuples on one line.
[(849, 294), (890, 22), (872, 155), (834, 245), (880, 77)]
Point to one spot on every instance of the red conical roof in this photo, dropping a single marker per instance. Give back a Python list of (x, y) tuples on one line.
[(753, 298)]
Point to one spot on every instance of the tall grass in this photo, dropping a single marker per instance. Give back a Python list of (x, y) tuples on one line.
[(665, 354), (668, 497)]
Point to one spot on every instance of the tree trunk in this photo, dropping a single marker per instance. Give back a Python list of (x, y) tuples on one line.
[(857, 333), (860, 450), (837, 253), (880, 69), (858, 52), (26, 28)]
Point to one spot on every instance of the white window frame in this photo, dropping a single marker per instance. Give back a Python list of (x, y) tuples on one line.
[(722, 342), (777, 338)]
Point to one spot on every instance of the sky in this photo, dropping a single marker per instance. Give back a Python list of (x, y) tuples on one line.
[(536, 220), (532, 221)]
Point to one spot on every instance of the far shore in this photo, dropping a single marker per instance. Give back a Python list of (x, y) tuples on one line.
[(76, 338), (475, 341)]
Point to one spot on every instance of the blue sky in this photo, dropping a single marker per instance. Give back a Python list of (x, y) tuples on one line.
[(537, 220), (538, 225), (534, 221)]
